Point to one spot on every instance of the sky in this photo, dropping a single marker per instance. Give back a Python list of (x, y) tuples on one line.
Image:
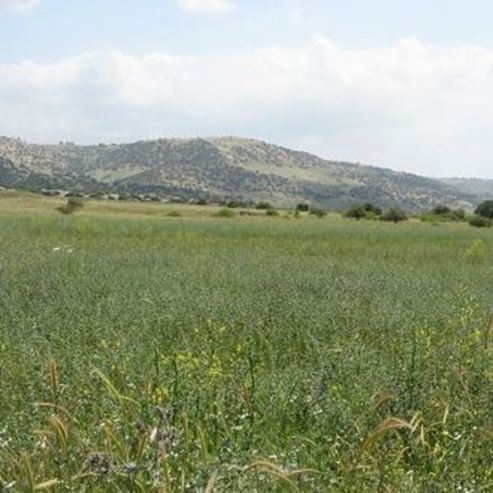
[(404, 85)]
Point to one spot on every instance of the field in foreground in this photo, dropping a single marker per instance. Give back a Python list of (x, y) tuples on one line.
[(140, 352)]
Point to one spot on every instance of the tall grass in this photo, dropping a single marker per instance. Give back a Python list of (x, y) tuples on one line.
[(248, 354)]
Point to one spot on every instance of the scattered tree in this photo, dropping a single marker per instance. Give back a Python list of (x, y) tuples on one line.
[(485, 209), (394, 215)]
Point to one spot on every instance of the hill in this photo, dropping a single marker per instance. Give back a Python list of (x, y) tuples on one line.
[(472, 186), (214, 168)]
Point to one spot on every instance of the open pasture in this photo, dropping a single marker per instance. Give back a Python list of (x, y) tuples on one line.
[(141, 352)]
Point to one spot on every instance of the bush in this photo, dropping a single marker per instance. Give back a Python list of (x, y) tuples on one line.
[(271, 212), (201, 202), (441, 210), (394, 215), (173, 214), (233, 204), (355, 213), (302, 207), (485, 209), (224, 213), (264, 206), (371, 209), (73, 204), (480, 221), (315, 211)]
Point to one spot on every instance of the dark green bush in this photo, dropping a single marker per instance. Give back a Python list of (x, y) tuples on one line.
[(485, 209), (394, 215), (315, 211), (73, 204), (480, 221), (302, 207), (355, 213), (264, 206)]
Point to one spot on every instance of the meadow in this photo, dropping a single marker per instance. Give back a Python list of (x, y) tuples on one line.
[(143, 352)]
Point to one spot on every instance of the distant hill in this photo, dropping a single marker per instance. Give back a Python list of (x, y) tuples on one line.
[(473, 186), (225, 168)]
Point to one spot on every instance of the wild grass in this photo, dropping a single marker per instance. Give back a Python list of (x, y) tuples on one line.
[(142, 353)]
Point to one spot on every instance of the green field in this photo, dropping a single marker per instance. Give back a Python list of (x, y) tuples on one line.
[(141, 352)]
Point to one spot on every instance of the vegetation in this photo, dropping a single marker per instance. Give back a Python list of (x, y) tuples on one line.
[(252, 354), (368, 211), (238, 170), (224, 213), (394, 215), (442, 213), (485, 209), (480, 221), (73, 204)]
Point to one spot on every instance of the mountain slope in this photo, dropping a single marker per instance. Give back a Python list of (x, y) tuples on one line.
[(475, 186), (225, 167)]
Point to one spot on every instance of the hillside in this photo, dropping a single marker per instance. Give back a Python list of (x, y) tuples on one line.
[(225, 167), (474, 186)]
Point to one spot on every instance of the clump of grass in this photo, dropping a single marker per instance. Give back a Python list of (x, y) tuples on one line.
[(228, 213), (173, 214)]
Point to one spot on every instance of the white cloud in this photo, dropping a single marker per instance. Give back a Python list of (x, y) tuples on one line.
[(206, 6), (407, 106), (18, 5)]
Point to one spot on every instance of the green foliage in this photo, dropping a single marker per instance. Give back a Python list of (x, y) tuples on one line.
[(271, 212), (72, 205), (243, 355), (367, 211), (302, 207), (441, 210), (174, 214), (485, 209), (355, 213), (224, 213), (394, 215), (264, 206), (441, 213), (317, 211), (480, 221)]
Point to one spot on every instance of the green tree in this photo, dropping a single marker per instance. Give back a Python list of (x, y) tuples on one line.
[(394, 215), (485, 209)]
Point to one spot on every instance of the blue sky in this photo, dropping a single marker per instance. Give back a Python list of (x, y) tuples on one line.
[(405, 85)]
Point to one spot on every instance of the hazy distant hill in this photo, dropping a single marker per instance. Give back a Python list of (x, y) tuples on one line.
[(226, 167), (473, 186)]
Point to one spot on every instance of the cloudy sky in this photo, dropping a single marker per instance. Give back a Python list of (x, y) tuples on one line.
[(406, 85)]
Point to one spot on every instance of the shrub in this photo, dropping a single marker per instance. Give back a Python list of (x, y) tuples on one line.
[(394, 215), (370, 209), (233, 204), (355, 213), (315, 211), (73, 204), (224, 213), (485, 209), (441, 210), (302, 207), (173, 214), (264, 206), (480, 221), (271, 212)]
